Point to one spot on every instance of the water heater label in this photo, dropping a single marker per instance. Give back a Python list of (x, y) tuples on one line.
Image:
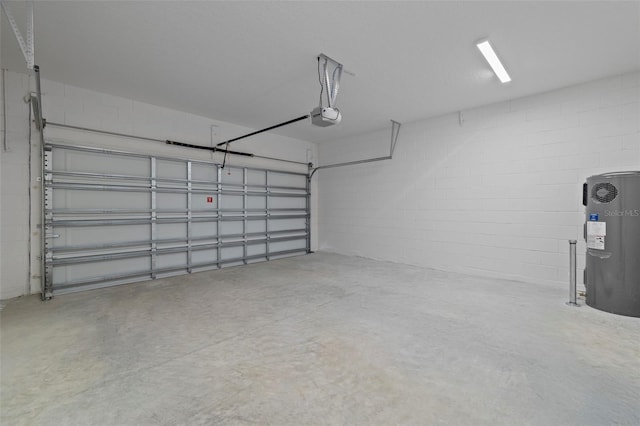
[(596, 233), (593, 217)]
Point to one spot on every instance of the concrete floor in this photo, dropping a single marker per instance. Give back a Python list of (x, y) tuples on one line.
[(319, 339)]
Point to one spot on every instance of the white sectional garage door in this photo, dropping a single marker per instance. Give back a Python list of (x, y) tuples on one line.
[(118, 217)]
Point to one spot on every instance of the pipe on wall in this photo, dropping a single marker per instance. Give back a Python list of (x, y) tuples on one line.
[(572, 274), (4, 113)]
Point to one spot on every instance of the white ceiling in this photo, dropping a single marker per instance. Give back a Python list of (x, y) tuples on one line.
[(254, 63)]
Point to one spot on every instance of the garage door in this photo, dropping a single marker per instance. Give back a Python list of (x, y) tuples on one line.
[(116, 217)]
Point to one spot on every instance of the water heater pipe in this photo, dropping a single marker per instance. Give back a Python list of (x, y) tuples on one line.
[(572, 274)]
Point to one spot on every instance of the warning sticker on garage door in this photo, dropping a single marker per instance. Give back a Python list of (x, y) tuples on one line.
[(596, 232)]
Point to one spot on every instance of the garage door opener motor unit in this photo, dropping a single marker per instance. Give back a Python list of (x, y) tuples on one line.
[(612, 233)]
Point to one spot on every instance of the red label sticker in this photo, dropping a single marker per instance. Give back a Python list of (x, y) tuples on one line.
[(209, 199)]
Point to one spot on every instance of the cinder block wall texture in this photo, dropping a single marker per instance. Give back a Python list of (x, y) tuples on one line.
[(495, 190)]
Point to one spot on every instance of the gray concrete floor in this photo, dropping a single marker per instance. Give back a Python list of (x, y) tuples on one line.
[(319, 339)]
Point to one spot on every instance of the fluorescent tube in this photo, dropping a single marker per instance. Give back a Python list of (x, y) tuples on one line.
[(492, 58)]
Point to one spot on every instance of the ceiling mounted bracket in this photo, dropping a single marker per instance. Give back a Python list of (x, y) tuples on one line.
[(395, 131), (26, 47), (329, 78), (329, 74)]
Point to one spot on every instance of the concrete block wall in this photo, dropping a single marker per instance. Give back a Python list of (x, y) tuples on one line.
[(495, 191), (14, 190), (20, 238)]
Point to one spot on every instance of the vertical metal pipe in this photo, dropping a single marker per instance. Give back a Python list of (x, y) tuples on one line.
[(308, 211), (572, 274), (4, 114), (45, 228), (245, 205), (46, 274), (219, 216), (44, 284), (189, 216), (267, 216), (154, 217), (39, 118)]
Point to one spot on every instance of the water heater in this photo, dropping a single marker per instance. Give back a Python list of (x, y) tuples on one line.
[(612, 233)]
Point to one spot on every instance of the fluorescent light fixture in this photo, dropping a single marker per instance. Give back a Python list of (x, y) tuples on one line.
[(492, 58)]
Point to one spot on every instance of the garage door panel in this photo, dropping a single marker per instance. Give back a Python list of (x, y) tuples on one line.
[(285, 224), (199, 257), (288, 245), (204, 268), (99, 235), (257, 249), (287, 180), (69, 275), (101, 200), (204, 229), (233, 175), (232, 253), (255, 226), (171, 260), (288, 203), (171, 231), (256, 202), (205, 202), (256, 177), (79, 161), (230, 228), (231, 202), (204, 172), (117, 217), (171, 170), (170, 201)]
